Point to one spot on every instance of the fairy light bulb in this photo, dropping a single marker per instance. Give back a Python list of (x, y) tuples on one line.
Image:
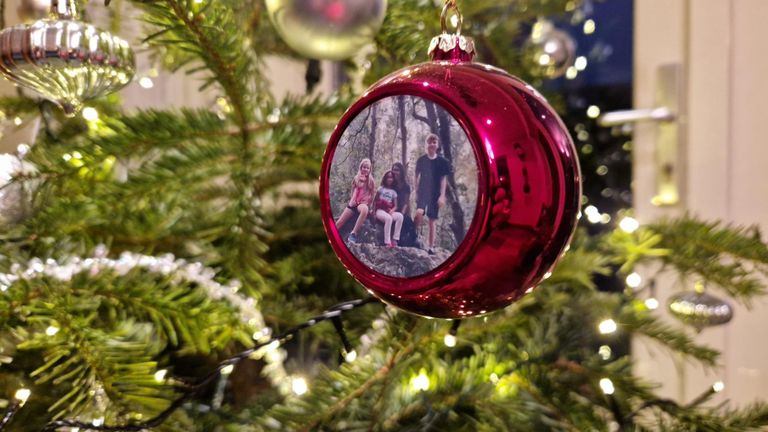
[(718, 387), (634, 280), (449, 340), (607, 386), (22, 395), (607, 326), (420, 382), (90, 114), (629, 224), (350, 356), (605, 352), (652, 303), (299, 386), (160, 375)]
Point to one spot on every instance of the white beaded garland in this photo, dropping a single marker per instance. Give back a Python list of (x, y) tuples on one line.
[(179, 270)]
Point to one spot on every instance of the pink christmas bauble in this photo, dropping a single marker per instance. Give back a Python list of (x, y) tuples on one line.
[(490, 181)]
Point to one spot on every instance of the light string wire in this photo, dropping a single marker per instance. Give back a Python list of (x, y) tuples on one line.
[(332, 314), (180, 271), (13, 408)]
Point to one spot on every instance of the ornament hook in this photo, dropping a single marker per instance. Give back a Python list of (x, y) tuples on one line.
[(451, 6)]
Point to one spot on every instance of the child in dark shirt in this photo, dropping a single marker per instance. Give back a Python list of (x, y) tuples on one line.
[(431, 181)]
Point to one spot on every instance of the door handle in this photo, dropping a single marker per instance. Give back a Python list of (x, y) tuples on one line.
[(618, 118), (669, 140)]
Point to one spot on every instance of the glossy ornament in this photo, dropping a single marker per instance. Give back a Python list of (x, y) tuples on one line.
[(528, 186), (550, 49), (327, 29), (65, 60), (699, 309)]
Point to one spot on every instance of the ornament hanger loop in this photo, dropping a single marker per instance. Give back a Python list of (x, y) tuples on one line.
[(451, 6)]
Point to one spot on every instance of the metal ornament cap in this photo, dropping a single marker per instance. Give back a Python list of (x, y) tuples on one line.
[(452, 47), (700, 310), (65, 60), (528, 187)]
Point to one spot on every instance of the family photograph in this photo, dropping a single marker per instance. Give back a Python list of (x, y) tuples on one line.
[(403, 186)]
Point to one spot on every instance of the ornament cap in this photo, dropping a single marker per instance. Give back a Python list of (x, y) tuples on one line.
[(452, 47)]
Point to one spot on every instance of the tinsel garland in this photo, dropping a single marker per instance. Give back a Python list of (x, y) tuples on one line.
[(179, 271)]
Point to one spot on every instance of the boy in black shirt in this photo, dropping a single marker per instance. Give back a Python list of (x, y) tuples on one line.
[(431, 181)]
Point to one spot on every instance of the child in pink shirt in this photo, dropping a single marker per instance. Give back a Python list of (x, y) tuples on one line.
[(360, 201)]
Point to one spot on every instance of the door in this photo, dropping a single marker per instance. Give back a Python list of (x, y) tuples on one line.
[(720, 168)]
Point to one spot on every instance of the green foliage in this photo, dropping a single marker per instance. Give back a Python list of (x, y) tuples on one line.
[(109, 330), (235, 190), (730, 258)]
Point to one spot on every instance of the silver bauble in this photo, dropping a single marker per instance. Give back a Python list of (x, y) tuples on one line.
[(699, 309), (31, 10), (551, 50), (327, 29), (65, 60)]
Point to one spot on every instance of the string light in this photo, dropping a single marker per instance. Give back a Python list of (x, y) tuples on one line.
[(634, 280), (50, 331), (90, 114), (17, 121), (593, 111), (160, 375), (718, 387), (605, 352), (449, 340), (589, 26), (629, 224), (351, 356), (571, 72), (421, 381), (226, 370), (652, 303), (299, 386), (146, 82), (593, 214), (580, 63), (607, 326), (22, 395), (607, 386)]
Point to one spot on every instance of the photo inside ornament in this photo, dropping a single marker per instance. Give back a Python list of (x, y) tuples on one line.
[(403, 186)]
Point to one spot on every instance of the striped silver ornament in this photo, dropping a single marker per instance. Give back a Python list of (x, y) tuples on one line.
[(65, 60)]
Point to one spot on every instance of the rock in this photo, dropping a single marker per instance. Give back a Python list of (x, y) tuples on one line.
[(399, 261)]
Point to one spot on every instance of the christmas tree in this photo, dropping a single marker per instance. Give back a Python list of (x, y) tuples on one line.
[(168, 269)]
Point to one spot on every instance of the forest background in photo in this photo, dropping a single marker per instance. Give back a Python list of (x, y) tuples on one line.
[(394, 129)]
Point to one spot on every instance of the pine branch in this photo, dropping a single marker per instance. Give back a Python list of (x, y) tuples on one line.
[(726, 256), (639, 321), (108, 330)]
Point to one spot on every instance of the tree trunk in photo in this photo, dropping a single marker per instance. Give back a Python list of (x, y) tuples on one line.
[(452, 197), (403, 130), (431, 118), (372, 137)]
